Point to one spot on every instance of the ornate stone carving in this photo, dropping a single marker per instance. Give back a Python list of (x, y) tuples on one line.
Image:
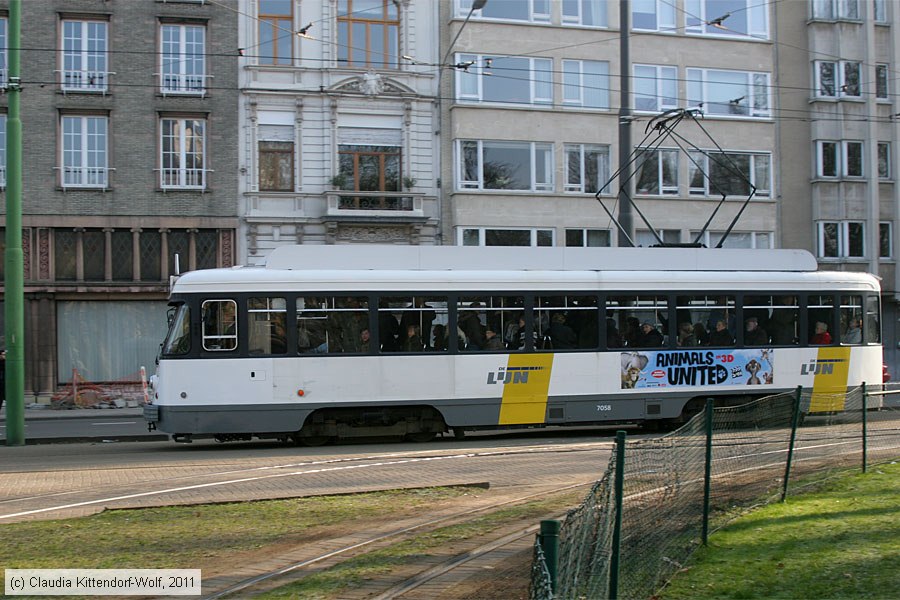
[(44, 254), (373, 234), (26, 252), (226, 249)]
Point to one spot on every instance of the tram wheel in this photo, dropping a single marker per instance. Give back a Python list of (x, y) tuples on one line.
[(310, 440), (420, 437)]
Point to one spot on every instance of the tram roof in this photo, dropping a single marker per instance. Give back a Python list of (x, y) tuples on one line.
[(469, 258)]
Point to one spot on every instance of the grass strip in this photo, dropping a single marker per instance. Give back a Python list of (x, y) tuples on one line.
[(841, 541)]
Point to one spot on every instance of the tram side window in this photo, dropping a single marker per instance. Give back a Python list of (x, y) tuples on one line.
[(267, 324), (412, 323), (333, 324), (872, 326), (219, 318), (641, 321), (705, 320), (851, 320), (566, 322), (492, 323), (820, 308), (771, 319), (179, 339)]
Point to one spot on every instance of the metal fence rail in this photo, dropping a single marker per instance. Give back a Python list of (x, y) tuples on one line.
[(639, 524)]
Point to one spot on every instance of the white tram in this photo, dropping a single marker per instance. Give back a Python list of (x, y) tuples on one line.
[(332, 342)]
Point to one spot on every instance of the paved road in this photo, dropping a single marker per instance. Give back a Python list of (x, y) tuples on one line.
[(116, 424)]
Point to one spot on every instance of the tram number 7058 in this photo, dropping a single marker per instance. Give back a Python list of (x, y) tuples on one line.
[(604, 407)]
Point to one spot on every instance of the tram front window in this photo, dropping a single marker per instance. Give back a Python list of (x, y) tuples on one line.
[(178, 340)]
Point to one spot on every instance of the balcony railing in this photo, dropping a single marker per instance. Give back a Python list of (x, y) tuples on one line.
[(85, 81), (85, 177), (183, 84), (183, 178), (401, 204)]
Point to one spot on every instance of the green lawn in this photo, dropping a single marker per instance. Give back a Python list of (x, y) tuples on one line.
[(842, 541)]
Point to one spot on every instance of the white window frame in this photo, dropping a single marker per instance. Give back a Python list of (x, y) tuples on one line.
[(586, 234), (4, 67), (663, 11), (668, 236), (842, 241), (754, 13), (882, 226), (92, 76), (534, 231), (763, 189), (879, 11), (661, 75), (750, 94), (184, 178), (759, 240), (535, 14), (841, 150), (662, 190), (603, 170), (841, 87), (84, 164), (600, 8), (175, 76), (478, 71), (882, 81), (545, 149), (576, 68), (835, 10)]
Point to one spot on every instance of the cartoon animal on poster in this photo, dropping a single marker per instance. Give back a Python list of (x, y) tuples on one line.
[(633, 365)]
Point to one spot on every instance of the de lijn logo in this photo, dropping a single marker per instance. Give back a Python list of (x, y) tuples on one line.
[(821, 366), (511, 375)]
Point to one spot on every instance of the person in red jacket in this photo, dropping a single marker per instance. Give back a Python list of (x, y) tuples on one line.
[(821, 337)]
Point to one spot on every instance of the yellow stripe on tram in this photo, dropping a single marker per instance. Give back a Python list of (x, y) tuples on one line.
[(525, 394), (830, 383)]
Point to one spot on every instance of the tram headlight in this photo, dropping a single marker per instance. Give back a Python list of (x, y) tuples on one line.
[(154, 379)]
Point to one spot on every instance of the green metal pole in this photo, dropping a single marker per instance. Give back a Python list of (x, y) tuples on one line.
[(795, 421), (13, 293), (865, 436), (618, 488), (550, 546), (707, 476)]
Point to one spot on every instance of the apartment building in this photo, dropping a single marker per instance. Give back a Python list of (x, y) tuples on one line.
[(838, 133), (129, 121), (531, 121), (338, 123)]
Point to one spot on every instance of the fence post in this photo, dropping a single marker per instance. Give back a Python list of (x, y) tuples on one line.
[(795, 421), (865, 436), (549, 538), (707, 475), (618, 488)]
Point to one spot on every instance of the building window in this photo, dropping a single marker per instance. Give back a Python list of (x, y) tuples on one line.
[(838, 79), (839, 159), (589, 238), (533, 11), (586, 83), (276, 32), (884, 160), (510, 79), (368, 34), (736, 239), (84, 152), (653, 15), (84, 56), (4, 75), (589, 13), (830, 10), (729, 93), (657, 172), (655, 88), (371, 168), (881, 82), (183, 149), (645, 238), (494, 165), (885, 240), (731, 174), (276, 158), (183, 59), (587, 168), (741, 17), (483, 236), (2, 150), (841, 239), (65, 242), (879, 10)]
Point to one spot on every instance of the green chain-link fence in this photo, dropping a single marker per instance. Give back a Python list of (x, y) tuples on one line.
[(677, 488)]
